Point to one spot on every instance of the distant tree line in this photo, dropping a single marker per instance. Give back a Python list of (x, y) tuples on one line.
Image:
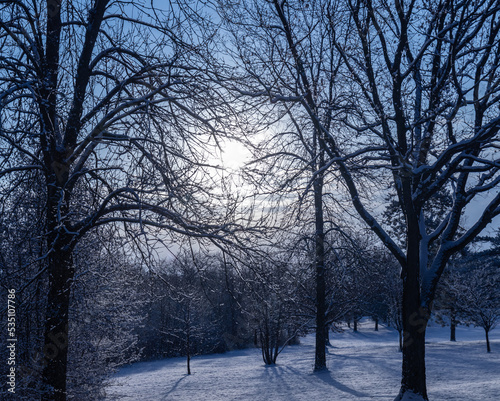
[(213, 304)]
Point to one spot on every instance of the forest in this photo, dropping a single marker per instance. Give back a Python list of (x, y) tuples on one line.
[(184, 178)]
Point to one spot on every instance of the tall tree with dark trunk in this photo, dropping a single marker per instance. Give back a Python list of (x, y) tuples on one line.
[(103, 99), (417, 86), (292, 159)]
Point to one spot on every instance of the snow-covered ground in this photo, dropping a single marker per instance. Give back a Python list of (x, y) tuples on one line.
[(362, 365)]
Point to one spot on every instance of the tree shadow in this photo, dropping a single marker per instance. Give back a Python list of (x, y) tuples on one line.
[(174, 387), (326, 377), (276, 374)]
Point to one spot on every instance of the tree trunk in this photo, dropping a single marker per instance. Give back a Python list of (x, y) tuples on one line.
[(60, 264), (276, 344), (415, 320), (453, 327), (488, 347), (376, 324), (55, 350), (355, 325), (413, 374), (320, 356), (400, 340), (188, 340), (266, 342)]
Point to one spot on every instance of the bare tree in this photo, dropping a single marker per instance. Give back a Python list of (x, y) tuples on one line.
[(428, 81), (290, 161), (272, 303), (188, 308), (479, 300), (474, 287), (103, 102)]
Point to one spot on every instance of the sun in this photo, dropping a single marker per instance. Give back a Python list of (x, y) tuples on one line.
[(230, 155)]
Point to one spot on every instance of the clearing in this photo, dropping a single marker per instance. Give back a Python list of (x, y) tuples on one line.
[(364, 365)]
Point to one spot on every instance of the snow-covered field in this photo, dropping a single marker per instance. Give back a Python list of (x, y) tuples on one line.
[(362, 365)]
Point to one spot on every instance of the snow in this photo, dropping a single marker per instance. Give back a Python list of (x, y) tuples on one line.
[(410, 396), (362, 365)]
